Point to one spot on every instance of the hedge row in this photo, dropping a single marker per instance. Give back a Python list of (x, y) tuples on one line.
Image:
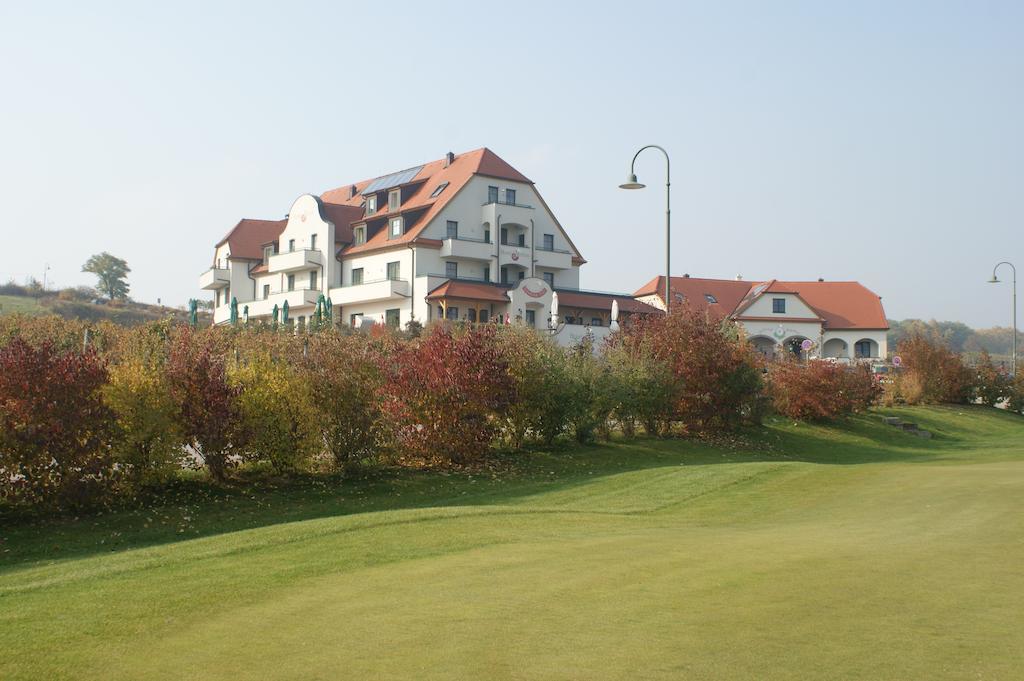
[(82, 422)]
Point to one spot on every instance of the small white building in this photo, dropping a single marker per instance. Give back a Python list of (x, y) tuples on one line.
[(836, 319), (467, 237)]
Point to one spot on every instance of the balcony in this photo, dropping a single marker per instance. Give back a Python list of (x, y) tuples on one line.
[(469, 249), (214, 278), (295, 261), (510, 214), (553, 259), (369, 291), (299, 298)]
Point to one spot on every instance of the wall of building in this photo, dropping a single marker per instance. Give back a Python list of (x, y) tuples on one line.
[(795, 308)]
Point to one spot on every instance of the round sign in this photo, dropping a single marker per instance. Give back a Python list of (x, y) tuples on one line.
[(897, 361), (806, 345)]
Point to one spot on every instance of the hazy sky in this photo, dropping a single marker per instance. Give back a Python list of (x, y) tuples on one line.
[(877, 141)]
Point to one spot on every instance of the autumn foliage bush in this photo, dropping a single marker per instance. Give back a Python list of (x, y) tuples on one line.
[(819, 389), (55, 428), (931, 373)]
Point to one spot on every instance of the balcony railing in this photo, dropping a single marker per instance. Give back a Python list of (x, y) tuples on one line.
[(214, 278), (502, 202), (369, 290), (302, 259)]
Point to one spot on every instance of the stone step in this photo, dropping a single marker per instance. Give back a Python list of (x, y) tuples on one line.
[(892, 420)]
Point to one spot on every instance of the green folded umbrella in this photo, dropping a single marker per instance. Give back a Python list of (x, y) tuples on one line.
[(234, 311), (276, 313), (284, 313)]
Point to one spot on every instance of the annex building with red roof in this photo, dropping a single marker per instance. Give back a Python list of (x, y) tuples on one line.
[(829, 319), (465, 237)]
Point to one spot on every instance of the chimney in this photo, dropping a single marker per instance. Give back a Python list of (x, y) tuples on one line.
[(351, 191), (449, 158), (686, 276), (739, 277), (820, 279)]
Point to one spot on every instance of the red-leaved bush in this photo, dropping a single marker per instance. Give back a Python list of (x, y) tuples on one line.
[(716, 379), (443, 394), (54, 427), (819, 389), (207, 402), (931, 373)]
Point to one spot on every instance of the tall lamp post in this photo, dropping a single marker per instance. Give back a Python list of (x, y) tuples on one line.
[(632, 183), (995, 280)]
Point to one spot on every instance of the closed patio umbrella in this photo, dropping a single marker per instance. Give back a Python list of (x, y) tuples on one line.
[(234, 311), (284, 313)]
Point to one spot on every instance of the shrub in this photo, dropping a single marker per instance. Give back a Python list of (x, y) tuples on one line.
[(715, 375), (539, 373), (638, 388), (931, 372), (206, 403), (820, 389), (1015, 397), (991, 386), (344, 374), (275, 410), (54, 427), (148, 440), (443, 395)]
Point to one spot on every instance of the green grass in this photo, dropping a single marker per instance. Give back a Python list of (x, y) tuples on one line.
[(21, 304), (850, 551)]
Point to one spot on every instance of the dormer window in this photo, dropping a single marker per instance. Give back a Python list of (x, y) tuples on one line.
[(710, 298), (371, 204), (359, 234), (395, 228), (440, 188), (394, 200), (267, 252)]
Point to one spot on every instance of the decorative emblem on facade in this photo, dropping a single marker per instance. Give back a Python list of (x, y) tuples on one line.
[(534, 294), (779, 332), (515, 255)]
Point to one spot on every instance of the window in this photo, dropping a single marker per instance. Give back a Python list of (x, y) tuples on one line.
[(291, 282), (227, 295), (487, 236), (471, 314), (522, 275), (312, 243), (549, 242), (394, 200), (216, 298), (392, 317), (862, 348), (396, 227), (312, 280), (522, 239), (492, 195), (371, 204), (291, 245), (484, 315), (452, 229), (531, 318), (357, 276), (596, 321), (451, 270), (549, 277), (267, 252), (487, 273), (359, 234), (353, 318), (440, 188), (504, 275), (510, 197), (710, 298), (504, 236), (453, 313), (779, 305), (394, 270), (266, 291)]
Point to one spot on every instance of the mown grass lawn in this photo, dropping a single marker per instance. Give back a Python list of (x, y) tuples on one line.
[(849, 551)]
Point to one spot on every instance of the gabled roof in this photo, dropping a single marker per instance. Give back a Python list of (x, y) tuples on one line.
[(840, 304), (420, 202), (469, 291), (246, 239), (342, 216)]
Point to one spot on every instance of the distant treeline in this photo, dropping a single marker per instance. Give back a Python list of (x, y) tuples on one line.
[(958, 336)]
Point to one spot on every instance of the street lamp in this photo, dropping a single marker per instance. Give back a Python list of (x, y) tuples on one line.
[(995, 280), (632, 183)]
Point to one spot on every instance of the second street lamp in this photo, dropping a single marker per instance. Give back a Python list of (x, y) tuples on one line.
[(995, 280), (632, 183)]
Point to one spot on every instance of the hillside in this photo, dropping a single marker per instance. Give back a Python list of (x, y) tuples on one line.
[(82, 304)]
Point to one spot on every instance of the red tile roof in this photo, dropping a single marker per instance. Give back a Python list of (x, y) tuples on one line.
[(246, 239), (469, 291), (342, 216), (584, 300), (841, 304)]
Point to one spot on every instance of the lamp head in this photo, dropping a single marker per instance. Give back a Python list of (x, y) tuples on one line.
[(993, 280), (631, 183)]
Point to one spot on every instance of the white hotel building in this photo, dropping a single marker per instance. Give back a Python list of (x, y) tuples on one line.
[(465, 237)]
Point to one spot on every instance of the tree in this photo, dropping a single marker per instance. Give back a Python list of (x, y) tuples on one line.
[(111, 272)]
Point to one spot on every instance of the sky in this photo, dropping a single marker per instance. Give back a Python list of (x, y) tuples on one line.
[(874, 141)]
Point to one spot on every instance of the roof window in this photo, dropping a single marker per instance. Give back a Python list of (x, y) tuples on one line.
[(440, 188)]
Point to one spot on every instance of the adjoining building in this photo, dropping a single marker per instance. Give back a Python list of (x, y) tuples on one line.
[(466, 237), (841, 319)]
